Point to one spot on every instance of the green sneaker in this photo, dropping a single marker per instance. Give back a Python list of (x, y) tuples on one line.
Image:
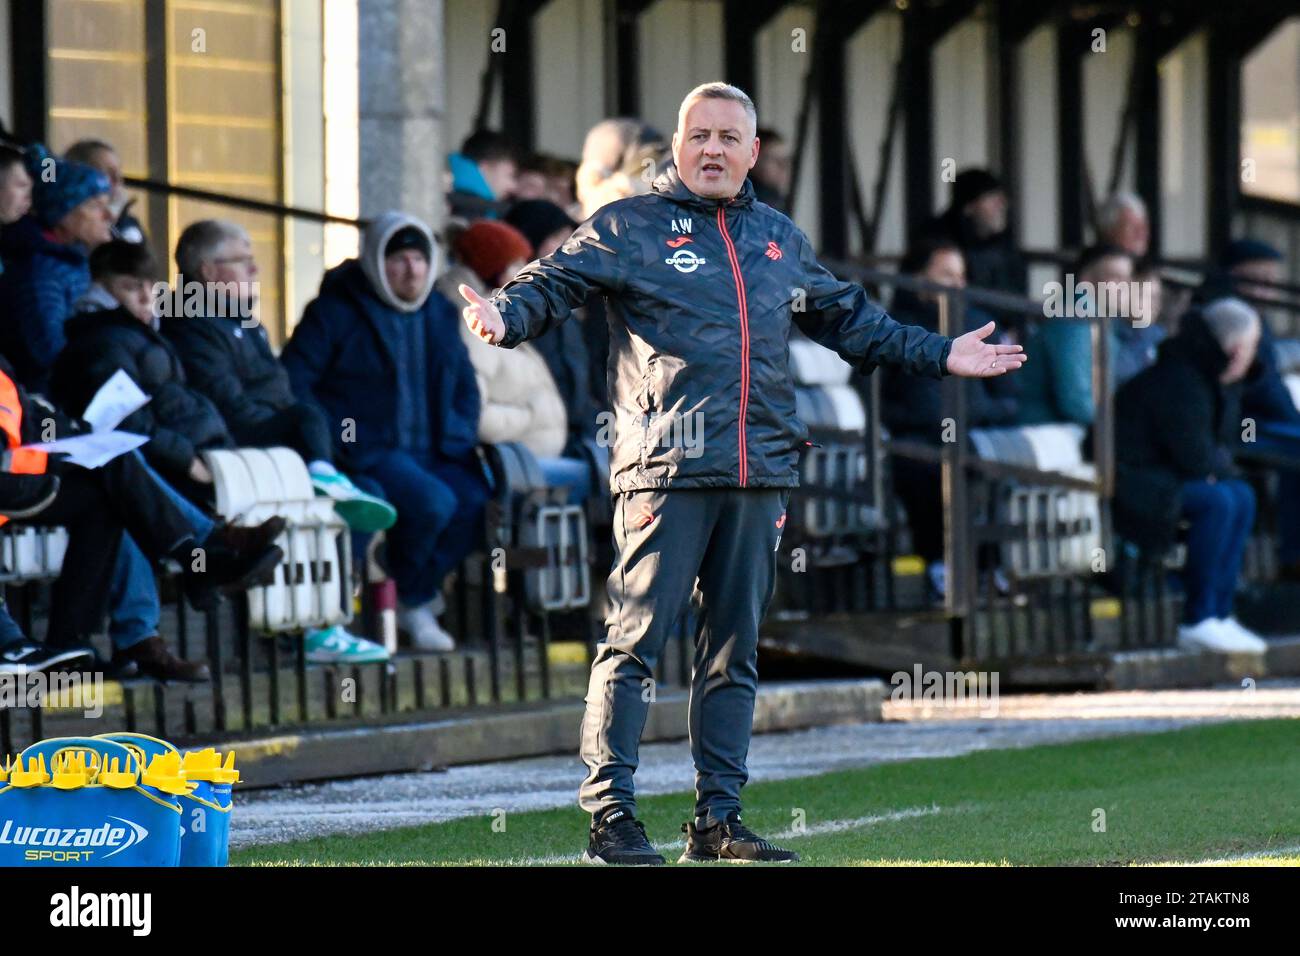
[(361, 511), (334, 645)]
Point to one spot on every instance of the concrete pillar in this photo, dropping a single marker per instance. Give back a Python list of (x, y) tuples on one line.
[(402, 107)]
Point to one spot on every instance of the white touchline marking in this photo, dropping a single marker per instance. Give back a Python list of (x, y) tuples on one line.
[(1238, 858), (814, 829)]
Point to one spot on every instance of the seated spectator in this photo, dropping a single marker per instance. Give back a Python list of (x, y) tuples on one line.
[(1175, 426), (1056, 382), (179, 421), (1250, 268), (912, 408), (1122, 221), (230, 361), (520, 402), (1138, 339), (379, 347), (773, 173), (977, 221), (47, 269), (102, 156), (15, 188), (96, 506), (546, 226), (483, 175)]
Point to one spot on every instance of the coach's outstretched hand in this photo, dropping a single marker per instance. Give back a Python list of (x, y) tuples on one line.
[(972, 357), (482, 317)]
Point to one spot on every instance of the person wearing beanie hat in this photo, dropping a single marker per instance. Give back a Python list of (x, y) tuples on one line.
[(495, 251), (46, 254), (544, 224), (976, 220), (520, 400), (379, 350)]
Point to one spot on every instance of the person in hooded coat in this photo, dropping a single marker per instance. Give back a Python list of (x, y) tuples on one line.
[(381, 352)]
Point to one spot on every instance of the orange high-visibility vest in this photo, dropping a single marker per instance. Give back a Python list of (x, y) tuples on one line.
[(23, 461)]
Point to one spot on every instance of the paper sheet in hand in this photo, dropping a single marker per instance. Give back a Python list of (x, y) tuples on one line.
[(116, 399), (95, 449)]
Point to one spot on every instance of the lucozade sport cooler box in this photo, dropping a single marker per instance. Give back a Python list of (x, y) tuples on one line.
[(115, 800)]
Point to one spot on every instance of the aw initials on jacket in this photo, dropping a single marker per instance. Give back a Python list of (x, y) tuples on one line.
[(701, 297)]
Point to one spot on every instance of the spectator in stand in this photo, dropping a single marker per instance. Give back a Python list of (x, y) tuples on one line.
[(912, 409), (546, 227), (102, 156), (1056, 384), (614, 163), (483, 175), (1250, 268), (1176, 424), (97, 506), (124, 334), (1122, 221), (1138, 340), (15, 188), (772, 174), (977, 221), (179, 421), (229, 360), (380, 347), (611, 149), (520, 402), (47, 268)]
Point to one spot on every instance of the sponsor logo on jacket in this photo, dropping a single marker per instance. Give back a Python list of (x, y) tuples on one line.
[(685, 260)]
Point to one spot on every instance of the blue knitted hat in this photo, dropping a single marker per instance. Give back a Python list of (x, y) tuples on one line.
[(58, 190)]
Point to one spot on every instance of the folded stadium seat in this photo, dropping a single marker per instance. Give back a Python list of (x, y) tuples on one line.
[(547, 536), (1040, 509), (312, 584), (31, 554), (836, 418)]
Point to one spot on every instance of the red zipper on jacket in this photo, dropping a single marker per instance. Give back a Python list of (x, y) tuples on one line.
[(744, 342)]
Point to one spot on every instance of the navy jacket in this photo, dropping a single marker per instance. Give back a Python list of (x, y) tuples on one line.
[(339, 360), (701, 297)]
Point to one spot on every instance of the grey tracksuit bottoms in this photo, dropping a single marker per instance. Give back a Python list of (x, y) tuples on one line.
[(717, 548)]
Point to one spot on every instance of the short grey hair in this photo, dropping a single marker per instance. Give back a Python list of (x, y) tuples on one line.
[(717, 90), (1110, 211), (1230, 319), (201, 240)]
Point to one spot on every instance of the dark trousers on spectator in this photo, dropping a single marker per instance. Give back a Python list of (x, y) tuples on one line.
[(300, 427), (1221, 515), (96, 505), (439, 517), (919, 486)]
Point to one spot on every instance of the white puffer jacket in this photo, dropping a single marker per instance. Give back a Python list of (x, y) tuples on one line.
[(520, 400)]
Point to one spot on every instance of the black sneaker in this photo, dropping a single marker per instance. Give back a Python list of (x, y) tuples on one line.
[(29, 657), (619, 840), (733, 842)]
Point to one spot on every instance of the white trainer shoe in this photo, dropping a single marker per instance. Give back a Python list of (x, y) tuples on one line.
[(425, 632), (1246, 639), (1207, 635)]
